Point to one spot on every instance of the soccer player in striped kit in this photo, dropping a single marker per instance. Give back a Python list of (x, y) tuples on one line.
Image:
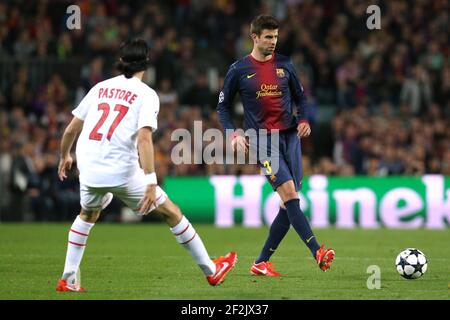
[(115, 121), (273, 99)]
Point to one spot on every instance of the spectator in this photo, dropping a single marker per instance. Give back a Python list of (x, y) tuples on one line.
[(390, 87), (416, 90)]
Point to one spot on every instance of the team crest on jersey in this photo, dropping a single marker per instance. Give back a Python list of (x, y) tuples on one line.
[(280, 72)]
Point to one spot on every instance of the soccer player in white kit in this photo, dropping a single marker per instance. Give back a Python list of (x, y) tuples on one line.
[(114, 153)]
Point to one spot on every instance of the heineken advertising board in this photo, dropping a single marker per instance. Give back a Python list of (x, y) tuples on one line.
[(343, 202)]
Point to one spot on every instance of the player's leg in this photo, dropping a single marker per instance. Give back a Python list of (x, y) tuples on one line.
[(278, 229), (182, 229), (288, 191), (93, 200), (280, 225), (187, 236), (297, 218)]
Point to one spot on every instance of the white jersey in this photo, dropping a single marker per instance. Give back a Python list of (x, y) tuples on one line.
[(113, 111)]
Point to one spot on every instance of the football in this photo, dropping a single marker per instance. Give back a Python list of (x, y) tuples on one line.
[(411, 263)]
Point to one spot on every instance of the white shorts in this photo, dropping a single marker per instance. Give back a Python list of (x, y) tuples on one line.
[(131, 193)]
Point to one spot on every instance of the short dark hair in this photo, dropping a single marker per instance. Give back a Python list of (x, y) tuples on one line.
[(262, 22), (133, 57)]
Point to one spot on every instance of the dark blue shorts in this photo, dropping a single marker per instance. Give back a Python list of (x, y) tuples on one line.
[(283, 163)]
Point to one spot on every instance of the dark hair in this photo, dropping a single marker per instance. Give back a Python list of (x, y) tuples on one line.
[(262, 22), (133, 57)]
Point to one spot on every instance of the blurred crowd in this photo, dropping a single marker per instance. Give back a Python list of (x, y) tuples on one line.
[(389, 88)]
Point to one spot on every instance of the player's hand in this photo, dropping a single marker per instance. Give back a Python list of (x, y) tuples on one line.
[(148, 200), (239, 143), (303, 130), (64, 164)]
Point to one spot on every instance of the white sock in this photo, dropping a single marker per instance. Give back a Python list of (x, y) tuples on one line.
[(78, 236), (186, 235)]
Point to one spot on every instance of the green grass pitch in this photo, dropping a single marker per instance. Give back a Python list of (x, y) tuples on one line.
[(143, 261)]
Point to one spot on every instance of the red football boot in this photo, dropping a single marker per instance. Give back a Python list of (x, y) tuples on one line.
[(264, 268), (70, 282), (223, 266), (63, 286), (324, 258)]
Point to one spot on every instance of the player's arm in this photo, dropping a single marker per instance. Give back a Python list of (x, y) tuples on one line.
[(145, 148), (226, 97), (72, 131), (300, 100), (70, 134), (147, 124), (147, 162)]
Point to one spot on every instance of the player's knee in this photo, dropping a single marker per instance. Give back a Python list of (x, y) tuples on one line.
[(288, 195), (89, 216), (170, 212), (174, 213), (291, 196)]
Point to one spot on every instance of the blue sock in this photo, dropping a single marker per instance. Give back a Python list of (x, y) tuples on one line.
[(280, 226), (301, 225)]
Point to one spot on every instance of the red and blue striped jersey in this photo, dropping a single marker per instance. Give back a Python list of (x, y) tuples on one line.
[(271, 94)]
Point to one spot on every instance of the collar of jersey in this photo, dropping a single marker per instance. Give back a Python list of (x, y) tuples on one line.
[(262, 62)]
